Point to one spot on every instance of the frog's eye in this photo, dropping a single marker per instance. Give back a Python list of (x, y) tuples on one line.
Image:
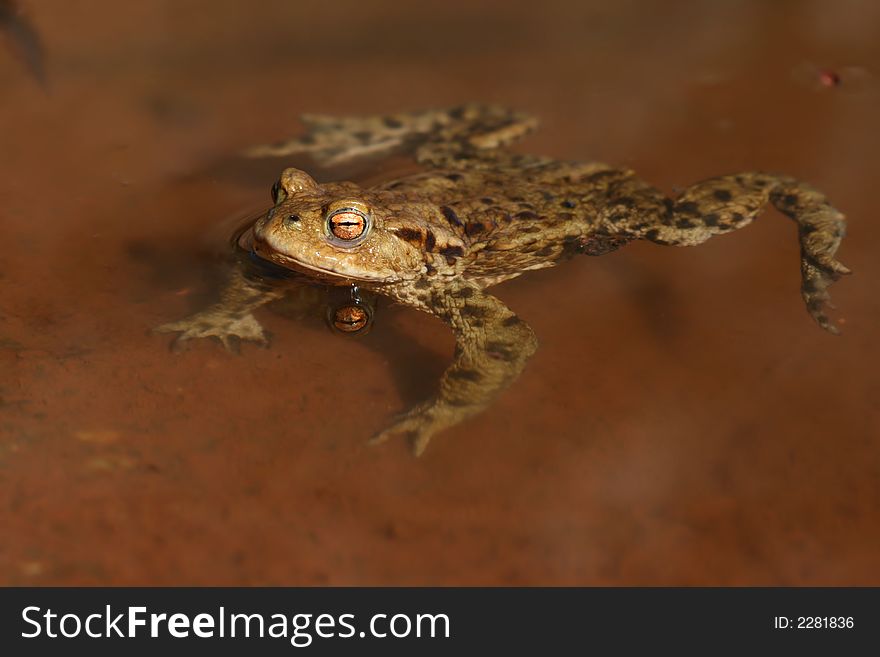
[(278, 193), (351, 319), (348, 225)]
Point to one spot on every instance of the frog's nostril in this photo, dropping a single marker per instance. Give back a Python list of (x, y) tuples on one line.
[(292, 219)]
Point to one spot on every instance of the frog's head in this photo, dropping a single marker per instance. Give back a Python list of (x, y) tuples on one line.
[(341, 232)]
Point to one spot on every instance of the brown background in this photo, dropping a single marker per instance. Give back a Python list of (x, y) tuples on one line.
[(684, 422)]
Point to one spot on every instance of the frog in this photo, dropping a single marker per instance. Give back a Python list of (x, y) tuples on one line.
[(474, 214)]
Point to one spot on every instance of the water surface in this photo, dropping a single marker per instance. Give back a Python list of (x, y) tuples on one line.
[(683, 422)]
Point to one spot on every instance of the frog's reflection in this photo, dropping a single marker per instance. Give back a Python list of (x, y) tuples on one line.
[(352, 318), (346, 310)]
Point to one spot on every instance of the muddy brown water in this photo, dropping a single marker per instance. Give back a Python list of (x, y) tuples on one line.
[(683, 421)]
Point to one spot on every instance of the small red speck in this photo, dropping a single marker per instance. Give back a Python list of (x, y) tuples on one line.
[(828, 78)]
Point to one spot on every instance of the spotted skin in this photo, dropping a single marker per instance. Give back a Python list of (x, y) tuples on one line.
[(459, 136), (479, 214), (726, 203), (492, 347)]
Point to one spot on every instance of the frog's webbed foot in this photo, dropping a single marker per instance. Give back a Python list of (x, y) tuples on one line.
[(492, 347), (446, 137), (417, 425), (227, 326), (231, 319)]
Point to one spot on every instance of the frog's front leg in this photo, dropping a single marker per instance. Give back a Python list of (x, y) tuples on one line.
[(492, 347), (232, 316)]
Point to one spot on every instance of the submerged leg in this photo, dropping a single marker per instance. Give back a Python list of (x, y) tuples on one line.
[(232, 316), (723, 204), (492, 346), (442, 137)]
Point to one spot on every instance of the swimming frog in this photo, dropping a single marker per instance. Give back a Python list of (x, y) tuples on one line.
[(474, 216)]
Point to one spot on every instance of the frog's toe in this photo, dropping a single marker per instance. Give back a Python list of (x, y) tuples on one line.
[(178, 344), (417, 439), (182, 328), (416, 427), (246, 327), (229, 329)]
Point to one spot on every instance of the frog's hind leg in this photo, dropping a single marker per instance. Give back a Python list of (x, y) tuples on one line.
[(437, 137), (474, 136), (726, 203)]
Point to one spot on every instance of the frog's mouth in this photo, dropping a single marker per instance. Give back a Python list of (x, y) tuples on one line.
[(325, 273)]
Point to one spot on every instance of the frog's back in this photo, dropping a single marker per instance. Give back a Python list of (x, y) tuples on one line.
[(511, 219)]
